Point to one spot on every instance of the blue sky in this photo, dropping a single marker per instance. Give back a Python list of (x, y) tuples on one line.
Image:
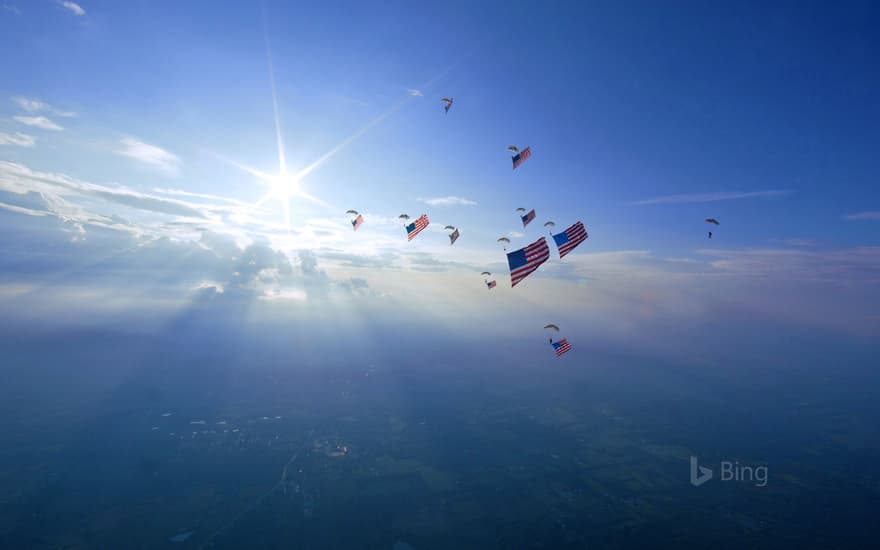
[(130, 135)]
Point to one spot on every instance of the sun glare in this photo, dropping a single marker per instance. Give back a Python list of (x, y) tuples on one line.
[(283, 186)]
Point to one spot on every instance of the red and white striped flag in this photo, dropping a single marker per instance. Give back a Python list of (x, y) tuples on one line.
[(416, 227)]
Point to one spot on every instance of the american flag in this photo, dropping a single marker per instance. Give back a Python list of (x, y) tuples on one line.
[(561, 347), (453, 237), (570, 238), (416, 227), (521, 157), (526, 260), (491, 284), (355, 223), (528, 217)]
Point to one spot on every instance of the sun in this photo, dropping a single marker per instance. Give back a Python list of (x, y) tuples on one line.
[(283, 186)]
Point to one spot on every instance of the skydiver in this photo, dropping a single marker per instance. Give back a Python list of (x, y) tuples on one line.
[(710, 234)]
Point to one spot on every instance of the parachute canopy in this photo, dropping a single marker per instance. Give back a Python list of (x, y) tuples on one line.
[(503, 240), (355, 212), (485, 273), (520, 209), (512, 149), (403, 217), (447, 103), (713, 221), (549, 224), (449, 227), (552, 327)]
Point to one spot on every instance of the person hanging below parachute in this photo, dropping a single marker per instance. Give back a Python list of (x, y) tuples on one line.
[(416, 227), (570, 238), (357, 221), (447, 103), (712, 221), (491, 284), (560, 346), (503, 240), (452, 236), (519, 157), (526, 218), (550, 226)]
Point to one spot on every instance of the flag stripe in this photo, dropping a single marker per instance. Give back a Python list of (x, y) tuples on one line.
[(526, 260), (416, 227), (570, 238), (528, 217), (521, 157), (561, 347), (357, 222)]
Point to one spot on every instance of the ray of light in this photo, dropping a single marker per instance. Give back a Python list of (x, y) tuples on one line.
[(347, 141), (282, 161)]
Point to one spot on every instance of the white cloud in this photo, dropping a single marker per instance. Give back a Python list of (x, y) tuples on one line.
[(73, 7), (413, 92), (58, 188), (39, 122), (22, 140), (449, 201), (150, 154), (32, 105), (714, 197), (869, 215)]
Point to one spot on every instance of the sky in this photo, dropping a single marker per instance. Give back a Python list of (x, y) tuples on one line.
[(162, 160)]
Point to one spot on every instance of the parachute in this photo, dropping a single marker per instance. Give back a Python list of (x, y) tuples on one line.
[(520, 209), (403, 217), (449, 227), (504, 240), (355, 212), (712, 221), (485, 274), (357, 221), (553, 327), (512, 149), (447, 103), (549, 224)]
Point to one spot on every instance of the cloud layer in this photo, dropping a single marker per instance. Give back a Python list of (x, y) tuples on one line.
[(40, 122), (449, 201), (19, 139), (73, 7), (714, 197), (149, 154)]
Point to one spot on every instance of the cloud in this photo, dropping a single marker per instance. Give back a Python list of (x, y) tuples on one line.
[(18, 178), (73, 7), (415, 93), (22, 140), (12, 9), (33, 105), (714, 197), (150, 154), (39, 122), (449, 201), (869, 215)]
